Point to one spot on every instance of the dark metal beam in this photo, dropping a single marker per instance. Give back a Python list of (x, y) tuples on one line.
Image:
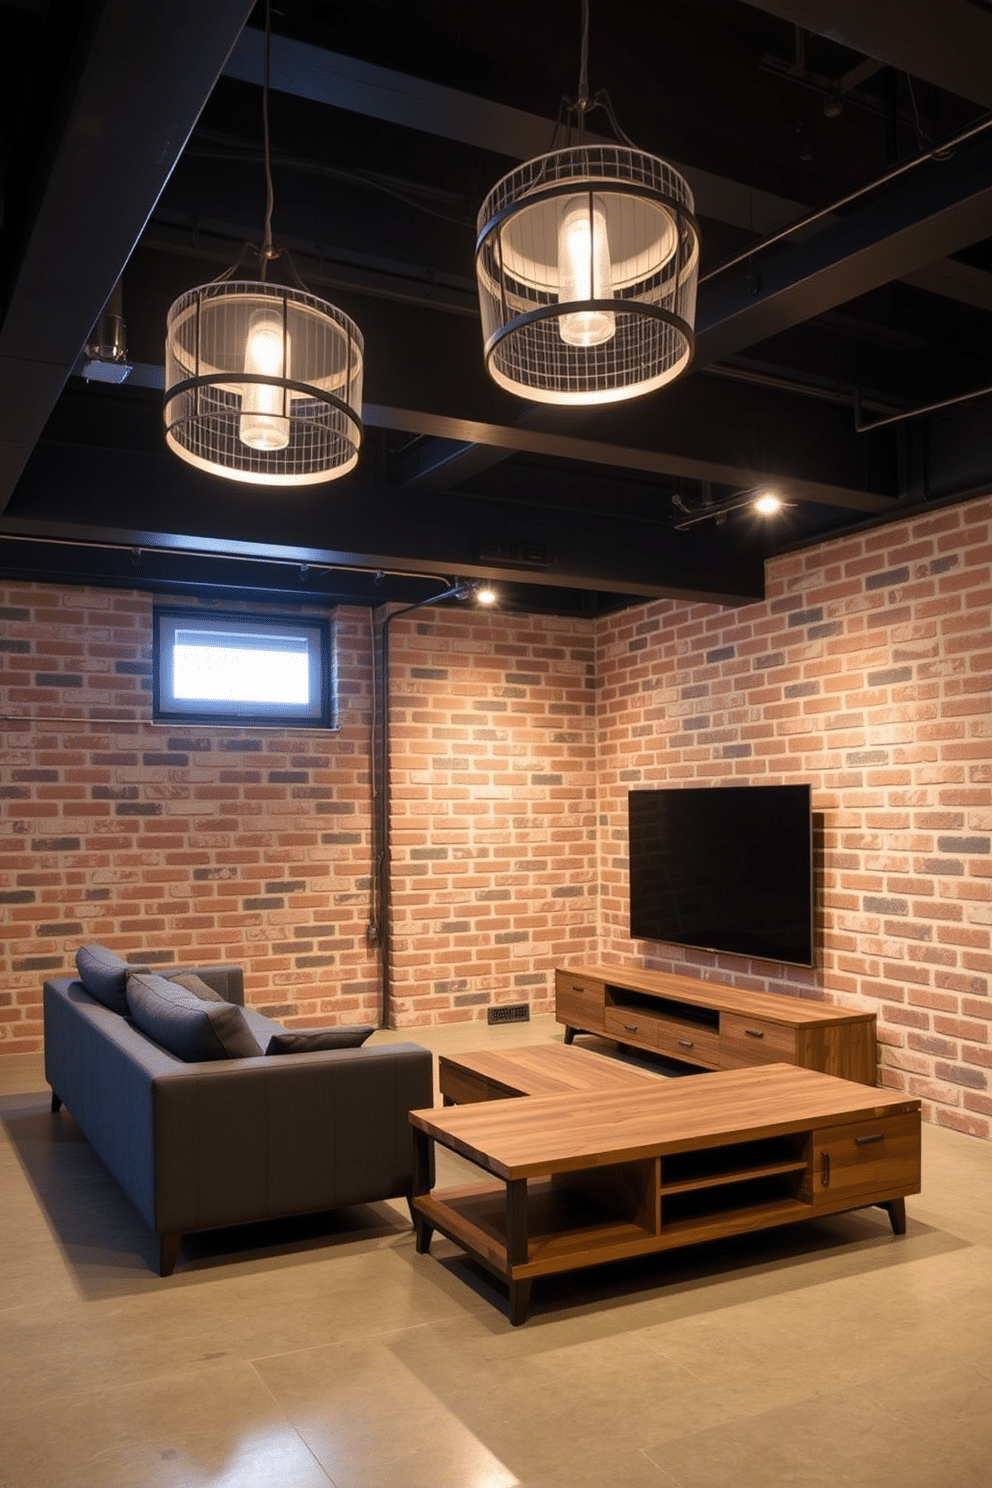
[(942, 207), (413, 103), (148, 72), (949, 45), (355, 524)]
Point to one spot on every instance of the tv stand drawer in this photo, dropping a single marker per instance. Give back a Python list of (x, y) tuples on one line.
[(579, 1001), (630, 1026), (686, 1041), (745, 1041)]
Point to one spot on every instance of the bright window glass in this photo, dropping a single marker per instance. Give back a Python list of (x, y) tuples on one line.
[(241, 666)]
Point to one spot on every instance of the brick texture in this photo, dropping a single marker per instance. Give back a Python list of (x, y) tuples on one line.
[(865, 671)]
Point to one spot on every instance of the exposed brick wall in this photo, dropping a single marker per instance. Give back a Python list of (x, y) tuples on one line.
[(867, 672), (171, 843), (493, 791), (177, 844)]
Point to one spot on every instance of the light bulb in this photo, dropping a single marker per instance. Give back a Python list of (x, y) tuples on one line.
[(767, 503), (262, 425), (584, 272), (485, 594)]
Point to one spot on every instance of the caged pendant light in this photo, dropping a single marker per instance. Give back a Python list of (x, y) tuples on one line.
[(263, 381), (587, 260)]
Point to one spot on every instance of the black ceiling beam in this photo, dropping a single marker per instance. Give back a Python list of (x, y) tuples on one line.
[(949, 45), (307, 71), (139, 499), (142, 85), (938, 209)]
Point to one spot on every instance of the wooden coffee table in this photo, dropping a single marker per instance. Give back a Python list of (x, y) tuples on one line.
[(584, 1178), (537, 1069)]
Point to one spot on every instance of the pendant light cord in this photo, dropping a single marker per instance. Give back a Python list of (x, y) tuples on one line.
[(268, 252)]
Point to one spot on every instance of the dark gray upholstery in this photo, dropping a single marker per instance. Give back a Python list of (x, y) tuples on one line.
[(104, 975), (197, 1146), (301, 1040), (186, 1024)]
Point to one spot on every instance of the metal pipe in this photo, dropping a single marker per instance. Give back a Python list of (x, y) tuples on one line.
[(379, 926), (936, 153), (860, 427)]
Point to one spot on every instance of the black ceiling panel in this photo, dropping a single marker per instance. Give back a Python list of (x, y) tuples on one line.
[(134, 155)]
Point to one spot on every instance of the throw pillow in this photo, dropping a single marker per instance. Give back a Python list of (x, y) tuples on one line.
[(104, 975), (187, 1026), (196, 985), (307, 1039)]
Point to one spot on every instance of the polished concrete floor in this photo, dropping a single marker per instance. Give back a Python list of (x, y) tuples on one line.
[(329, 1352)]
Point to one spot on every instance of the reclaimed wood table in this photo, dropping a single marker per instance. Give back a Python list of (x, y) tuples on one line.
[(590, 1177), (535, 1069)]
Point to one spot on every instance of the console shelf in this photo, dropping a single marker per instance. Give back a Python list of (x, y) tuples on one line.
[(709, 1026)]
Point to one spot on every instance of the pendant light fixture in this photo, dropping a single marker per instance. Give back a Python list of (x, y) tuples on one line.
[(263, 381), (587, 260)]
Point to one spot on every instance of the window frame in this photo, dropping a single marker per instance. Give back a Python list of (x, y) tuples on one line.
[(317, 713)]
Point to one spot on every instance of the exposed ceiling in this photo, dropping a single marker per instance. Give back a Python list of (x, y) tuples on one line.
[(132, 151)]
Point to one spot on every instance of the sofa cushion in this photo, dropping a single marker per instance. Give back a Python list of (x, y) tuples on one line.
[(303, 1040), (104, 975), (190, 1028), (196, 985)]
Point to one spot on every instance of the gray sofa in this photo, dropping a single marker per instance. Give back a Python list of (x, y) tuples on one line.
[(197, 1146)]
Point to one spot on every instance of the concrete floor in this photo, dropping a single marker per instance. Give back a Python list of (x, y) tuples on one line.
[(329, 1352)]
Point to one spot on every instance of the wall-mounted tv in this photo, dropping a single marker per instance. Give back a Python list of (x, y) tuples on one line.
[(724, 868)]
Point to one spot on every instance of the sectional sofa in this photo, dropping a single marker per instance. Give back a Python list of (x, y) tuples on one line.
[(215, 1130)]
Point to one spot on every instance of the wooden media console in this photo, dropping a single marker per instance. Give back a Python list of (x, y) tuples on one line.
[(713, 1026)]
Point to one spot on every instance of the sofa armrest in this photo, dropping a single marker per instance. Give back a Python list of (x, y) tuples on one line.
[(251, 1139)]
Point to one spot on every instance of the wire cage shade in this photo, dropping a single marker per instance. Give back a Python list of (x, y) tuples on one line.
[(263, 383), (587, 261)]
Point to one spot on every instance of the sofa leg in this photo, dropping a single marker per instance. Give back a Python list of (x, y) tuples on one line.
[(56, 1103), (168, 1249)]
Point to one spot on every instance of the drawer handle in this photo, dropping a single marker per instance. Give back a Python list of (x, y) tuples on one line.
[(825, 1170), (866, 1141), (577, 989), (630, 1027), (754, 1032), (686, 1044)]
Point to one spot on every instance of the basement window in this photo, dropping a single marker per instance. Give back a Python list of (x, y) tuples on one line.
[(238, 668)]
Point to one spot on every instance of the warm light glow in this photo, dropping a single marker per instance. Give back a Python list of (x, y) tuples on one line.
[(584, 272), (485, 595), (262, 427), (768, 503)]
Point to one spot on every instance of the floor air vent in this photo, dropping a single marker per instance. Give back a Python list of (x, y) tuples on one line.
[(517, 1012)]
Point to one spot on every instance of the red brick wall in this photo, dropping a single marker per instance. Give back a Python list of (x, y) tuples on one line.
[(867, 672), (178, 844), (171, 843), (493, 792)]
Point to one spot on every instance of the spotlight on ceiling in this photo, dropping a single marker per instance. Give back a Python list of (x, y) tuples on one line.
[(587, 260), (485, 594), (765, 502), (263, 381)]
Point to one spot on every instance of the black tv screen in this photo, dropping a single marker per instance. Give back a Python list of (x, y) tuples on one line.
[(724, 868)]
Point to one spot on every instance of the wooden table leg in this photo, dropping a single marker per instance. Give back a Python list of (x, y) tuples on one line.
[(897, 1215), (422, 1165), (519, 1301), (517, 1247)]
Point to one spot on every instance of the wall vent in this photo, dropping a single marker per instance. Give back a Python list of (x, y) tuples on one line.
[(515, 1012)]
